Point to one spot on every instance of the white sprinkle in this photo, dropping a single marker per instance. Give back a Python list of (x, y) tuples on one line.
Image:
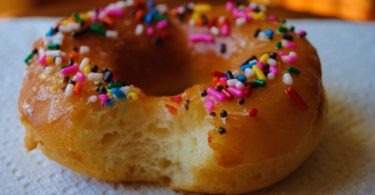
[(231, 82), (92, 99), (287, 79), (69, 90), (214, 30), (285, 58), (235, 73), (262, 36), (271, 76), (54, 53), (162, 8), (139, 29), (48, 69), (240, 21), (292, 53), (84, 63), (58, 61), (249, 72), (84, 50), (272, 62), (93, 76), (240, 85), (284, 43), (111, 34), (41, 51)]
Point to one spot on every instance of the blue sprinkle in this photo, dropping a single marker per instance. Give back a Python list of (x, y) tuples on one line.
[(242, 78), (150, 3), (248, 65), (51, 32), (110, 102), (150, 16), (269, 33), (118, 93)]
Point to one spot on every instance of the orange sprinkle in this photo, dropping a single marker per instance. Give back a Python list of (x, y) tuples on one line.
[(171, 109), (74, 56), (177, 99), (139, 15), (77, 89), (108, 20)]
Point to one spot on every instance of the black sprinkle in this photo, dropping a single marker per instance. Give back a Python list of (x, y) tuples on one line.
[(273, 55), (292, 28), (104, 69), (35, 51), (250, 59), (221, 130), (66, 79), (228, 74), (257, 32), (81, 32), (303, 35), (223, 48), (75, 49), (108, 76), (288, 37), (101, 90), (203, 93), (223, 114), (219, 88), (212, 114), (241, 101), (73, 82), (186, 105), (256, 9), (94, 68)]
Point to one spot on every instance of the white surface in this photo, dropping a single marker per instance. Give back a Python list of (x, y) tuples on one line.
[(344, 163)]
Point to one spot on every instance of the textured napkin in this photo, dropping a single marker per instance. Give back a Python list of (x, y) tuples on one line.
[(344, 162)]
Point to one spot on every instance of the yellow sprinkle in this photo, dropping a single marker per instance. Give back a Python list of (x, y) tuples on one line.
[(133, 96), (85, 17), (264, 58), (65, 22), (87, 69), (258, 72), (50, 60), (258, 16), (202, 8), (196, 16)]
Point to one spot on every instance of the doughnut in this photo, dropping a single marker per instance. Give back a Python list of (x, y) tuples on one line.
[(212, 98)]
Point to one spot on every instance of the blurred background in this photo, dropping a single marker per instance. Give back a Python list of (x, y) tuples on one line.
[(358, 10)]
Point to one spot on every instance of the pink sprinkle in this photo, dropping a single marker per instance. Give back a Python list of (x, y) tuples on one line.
[(291, 59), (236, 92), (103, 98), (229, 5), (209, 105), (205, 38), (272, 18), (150, 31), (81, 77), (281, 53), (235, 13), (223, 79), (162, 24), (227, 94), (218, 96), (290, 45), (225, 30), (301, 32), (115, 12), (69, 70), (260, 65), (43, 60), (274, 70)]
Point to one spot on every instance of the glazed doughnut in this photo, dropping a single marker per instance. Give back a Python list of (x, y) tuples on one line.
[(222, 98)]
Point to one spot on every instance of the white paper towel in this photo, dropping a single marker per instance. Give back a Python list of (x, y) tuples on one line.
[(344, 163)]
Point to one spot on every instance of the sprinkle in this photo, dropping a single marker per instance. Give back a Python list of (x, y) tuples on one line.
[(111, 34), (221, 130), (259, 73), (92, 99), (225, 30), (53, 46), (202, 8), (240, 21), (84, 63), (53, 53), (212, 114), (29, 58), (231, 82), (95, 76), (218, 96), (69, 70), (249, 72), (177, 99), (235, 92), (80, 77), (204, 38), (150, 16), (103, 99), (150, 31), (69, 90), (223, 48), (84, 50), (239, 85), (117, 92), (278, 45), (162, 24), (259, 83), (228, 75), (209, 105), (293, 70), (272, 62), (253, 112), (282, 29), (287, 79), (296, 98), (77, 89), (214, 30), (108, 75), (223, 114), (241, 101), (139, 29), (172, 110), (133, 96), (98, 28), (115, 12)]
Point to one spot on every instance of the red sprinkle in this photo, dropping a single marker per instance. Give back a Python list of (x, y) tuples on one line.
[(253, 112), (177, 99), (171, 109), (296, 98)]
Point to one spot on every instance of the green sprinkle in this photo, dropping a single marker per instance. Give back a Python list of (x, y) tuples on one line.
[(293, 70), (115, 85), (98, 28), (29, 58), (282, 29), (77, 17), (259, 82), (159, 17), (278, 45), (53, 46)]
